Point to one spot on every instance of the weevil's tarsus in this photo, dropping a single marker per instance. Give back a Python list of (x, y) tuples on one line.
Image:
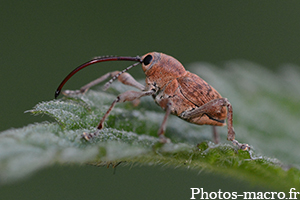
[(251, 156), (244, 147), (88, 136)]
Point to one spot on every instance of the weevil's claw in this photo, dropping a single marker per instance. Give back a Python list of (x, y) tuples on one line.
[(86, 136), (244, 147), (89, 136), (163, 139)]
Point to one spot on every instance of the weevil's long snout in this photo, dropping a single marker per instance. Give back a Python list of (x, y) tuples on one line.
[(97, 60)]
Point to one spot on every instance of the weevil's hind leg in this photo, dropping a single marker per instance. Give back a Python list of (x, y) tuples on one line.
[(124, 78), (126, 96), (162, 129), (231, 132), (213, 109), (216, 135)]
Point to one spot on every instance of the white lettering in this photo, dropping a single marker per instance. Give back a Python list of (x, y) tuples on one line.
[(234, 195), (259, 195), (279, 195), (273, 195), (193, 192), (213, 193), (250, 195), (291, 192), (227, 195), (246, 195), (202, 193), (219, 194), (265, 195)]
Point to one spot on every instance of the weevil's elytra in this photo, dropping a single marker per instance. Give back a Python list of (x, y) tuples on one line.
[(177, 91)]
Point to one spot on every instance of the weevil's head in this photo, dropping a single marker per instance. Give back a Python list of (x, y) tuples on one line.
[(160, 68)]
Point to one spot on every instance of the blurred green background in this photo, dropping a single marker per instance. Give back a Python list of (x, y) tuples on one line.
[(41, 42)]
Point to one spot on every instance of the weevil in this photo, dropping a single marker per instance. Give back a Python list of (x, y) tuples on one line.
[(175, 90)]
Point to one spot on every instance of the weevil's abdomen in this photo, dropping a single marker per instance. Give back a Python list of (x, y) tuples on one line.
[(188, 93)]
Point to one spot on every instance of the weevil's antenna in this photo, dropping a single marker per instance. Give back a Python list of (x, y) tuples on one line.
[(97, 60), (106, 86)]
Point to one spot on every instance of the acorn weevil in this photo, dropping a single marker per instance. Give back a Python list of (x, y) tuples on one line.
[(177, 91)]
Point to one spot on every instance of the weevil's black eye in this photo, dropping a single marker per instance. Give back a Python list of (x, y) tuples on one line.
[(147, 60)]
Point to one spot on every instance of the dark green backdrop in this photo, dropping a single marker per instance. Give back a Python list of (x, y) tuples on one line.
[(41, 41)]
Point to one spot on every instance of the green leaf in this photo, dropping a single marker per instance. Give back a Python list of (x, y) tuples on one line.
[(266, 113)]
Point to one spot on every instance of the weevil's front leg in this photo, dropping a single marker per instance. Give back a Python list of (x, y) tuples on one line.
[(213, 109), (124, 78), (126, 96)]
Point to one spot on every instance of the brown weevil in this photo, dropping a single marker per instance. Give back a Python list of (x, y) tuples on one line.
[(177, 91)]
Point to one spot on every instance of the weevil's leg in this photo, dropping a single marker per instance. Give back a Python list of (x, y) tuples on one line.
[(162, 129), (216, 135), (86, 87), (126, 96), (124, 78), (231, 132), (127, 79), (213, 109)]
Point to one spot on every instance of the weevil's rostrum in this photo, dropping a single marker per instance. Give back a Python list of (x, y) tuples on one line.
[(177, 91)]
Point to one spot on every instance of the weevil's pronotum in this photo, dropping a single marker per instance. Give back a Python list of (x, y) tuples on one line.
[(177, 91)]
